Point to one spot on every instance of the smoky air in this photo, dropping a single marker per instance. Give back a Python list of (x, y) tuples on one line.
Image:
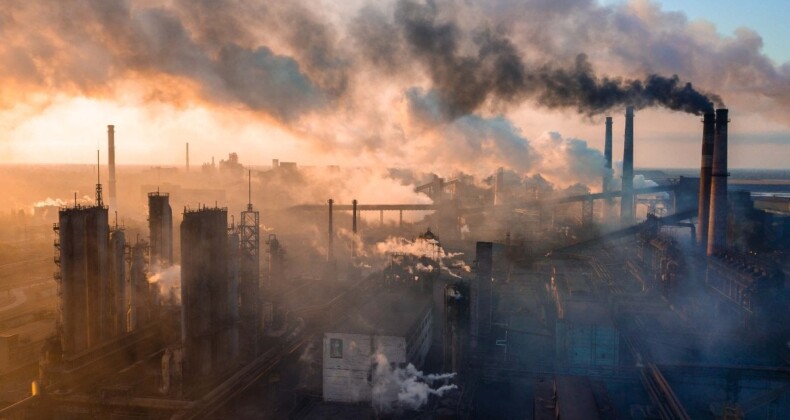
[(392, 210)]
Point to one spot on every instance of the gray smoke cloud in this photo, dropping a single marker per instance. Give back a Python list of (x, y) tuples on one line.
[(289, 59), (495, 70), (490, 142), (87, 46), (337, 75)]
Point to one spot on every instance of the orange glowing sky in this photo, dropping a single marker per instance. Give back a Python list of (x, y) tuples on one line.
[(48, 118)]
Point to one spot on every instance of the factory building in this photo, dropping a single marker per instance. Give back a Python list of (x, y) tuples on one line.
[(394, 323), (207, 287), (83, 250), (587, 341), (140, 299), (747, 288), (233, 299), (160, 228), (481, 289), (117, 267)]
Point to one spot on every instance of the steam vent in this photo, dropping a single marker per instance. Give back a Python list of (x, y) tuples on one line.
[(565, 210)]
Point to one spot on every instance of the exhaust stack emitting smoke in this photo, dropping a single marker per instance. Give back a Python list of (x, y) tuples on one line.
[(451, 81)]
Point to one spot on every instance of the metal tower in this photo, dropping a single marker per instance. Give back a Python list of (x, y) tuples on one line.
[(249, 293)]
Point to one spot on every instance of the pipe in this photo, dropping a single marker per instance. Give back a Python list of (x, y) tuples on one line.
[(627, 200), (330, 254), (703, 214), (607, 153), (111, 162), (717, 224)]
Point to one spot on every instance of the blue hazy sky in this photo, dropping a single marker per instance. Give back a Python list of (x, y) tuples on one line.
[(769, 18)]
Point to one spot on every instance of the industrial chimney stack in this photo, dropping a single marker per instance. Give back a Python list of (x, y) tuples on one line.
[(717, 224), (111, 162), (703, 215), (354, 229), (330, 255), (607, 153), (627, 199)]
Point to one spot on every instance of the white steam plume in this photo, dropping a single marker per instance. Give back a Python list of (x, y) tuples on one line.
[(168, 281), (397, 389)]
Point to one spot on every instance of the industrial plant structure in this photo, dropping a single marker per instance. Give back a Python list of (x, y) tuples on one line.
[(393, 327), (208, 282), (672, 307), (160, 226)]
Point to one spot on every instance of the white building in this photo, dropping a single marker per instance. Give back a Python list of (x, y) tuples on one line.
[(395, 324)]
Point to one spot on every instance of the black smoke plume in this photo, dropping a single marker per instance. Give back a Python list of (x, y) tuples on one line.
[(498, 73)]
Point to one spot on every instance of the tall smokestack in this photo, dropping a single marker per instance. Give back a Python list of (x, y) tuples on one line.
[(187, 156), (354, 216), (111, 162), (354, 228), (607, 154), (627, 200), (717, 223), (703, 212), (330, 254)]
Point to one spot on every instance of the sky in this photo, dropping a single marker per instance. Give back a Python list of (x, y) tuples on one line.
[(768, 17), (443, 86)]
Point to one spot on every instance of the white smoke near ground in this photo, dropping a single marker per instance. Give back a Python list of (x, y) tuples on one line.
[(168, 282), (396, 389), (309, 364)]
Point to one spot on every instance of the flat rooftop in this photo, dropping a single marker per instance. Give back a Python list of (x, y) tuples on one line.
[(390, 312)]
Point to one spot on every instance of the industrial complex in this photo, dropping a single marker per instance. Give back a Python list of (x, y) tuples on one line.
[(228, 291)]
